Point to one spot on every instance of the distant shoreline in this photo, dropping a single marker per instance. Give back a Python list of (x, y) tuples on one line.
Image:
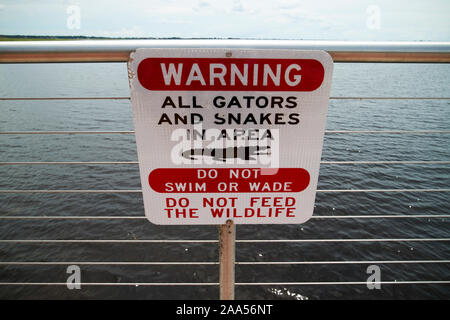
[(69, 38), (20, 37), (46, 38)]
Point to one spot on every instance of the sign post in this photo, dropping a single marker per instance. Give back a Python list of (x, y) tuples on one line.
[(227, 237), (229, 136)]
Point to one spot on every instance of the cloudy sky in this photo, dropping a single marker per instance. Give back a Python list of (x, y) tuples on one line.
[(268, 19)]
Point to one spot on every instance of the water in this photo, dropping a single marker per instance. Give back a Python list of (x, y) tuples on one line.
[(106, 79)]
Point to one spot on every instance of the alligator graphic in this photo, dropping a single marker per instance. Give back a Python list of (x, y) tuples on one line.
[(222, 154)]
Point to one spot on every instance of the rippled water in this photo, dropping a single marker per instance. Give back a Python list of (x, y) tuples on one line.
[(68, 80)]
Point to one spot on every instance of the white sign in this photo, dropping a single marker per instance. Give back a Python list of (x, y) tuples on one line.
[(229, 134)]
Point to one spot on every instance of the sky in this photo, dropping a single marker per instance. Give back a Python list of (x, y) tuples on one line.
[(358, 20)]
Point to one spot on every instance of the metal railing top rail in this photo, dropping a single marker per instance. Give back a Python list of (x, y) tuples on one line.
[(119, 50)]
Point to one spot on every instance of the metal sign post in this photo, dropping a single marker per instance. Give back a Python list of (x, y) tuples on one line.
[(227, 237)]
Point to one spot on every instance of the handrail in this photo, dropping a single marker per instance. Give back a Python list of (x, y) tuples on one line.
[(119, 50)]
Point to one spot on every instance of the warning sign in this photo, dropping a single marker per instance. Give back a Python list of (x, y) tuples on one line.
[(229, 134)]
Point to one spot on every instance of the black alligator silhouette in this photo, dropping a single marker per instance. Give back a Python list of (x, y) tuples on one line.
[(222, 154)]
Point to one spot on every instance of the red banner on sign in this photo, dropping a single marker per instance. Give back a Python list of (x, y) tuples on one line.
[(227, 180), (222, 74)]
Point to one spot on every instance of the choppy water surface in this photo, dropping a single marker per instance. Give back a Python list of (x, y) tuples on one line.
[(70, 80)]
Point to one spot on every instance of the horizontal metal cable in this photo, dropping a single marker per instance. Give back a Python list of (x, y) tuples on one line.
[(216, 241), (126, 284), (140, 191), (387, 131), (71, 191), (389, 98), (383, 162), (405, 216), (326, 132), (67, 132), (73, 163), (75, 217), (63, 98), (381, 190), (341, 262), (144, 263), (386, 216), (128, 98), (107, 241), (136, 162), (343, 240), (111, 263), (136, 284), (338, 283)]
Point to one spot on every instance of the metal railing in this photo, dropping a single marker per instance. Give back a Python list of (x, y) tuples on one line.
[(118, 51)]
